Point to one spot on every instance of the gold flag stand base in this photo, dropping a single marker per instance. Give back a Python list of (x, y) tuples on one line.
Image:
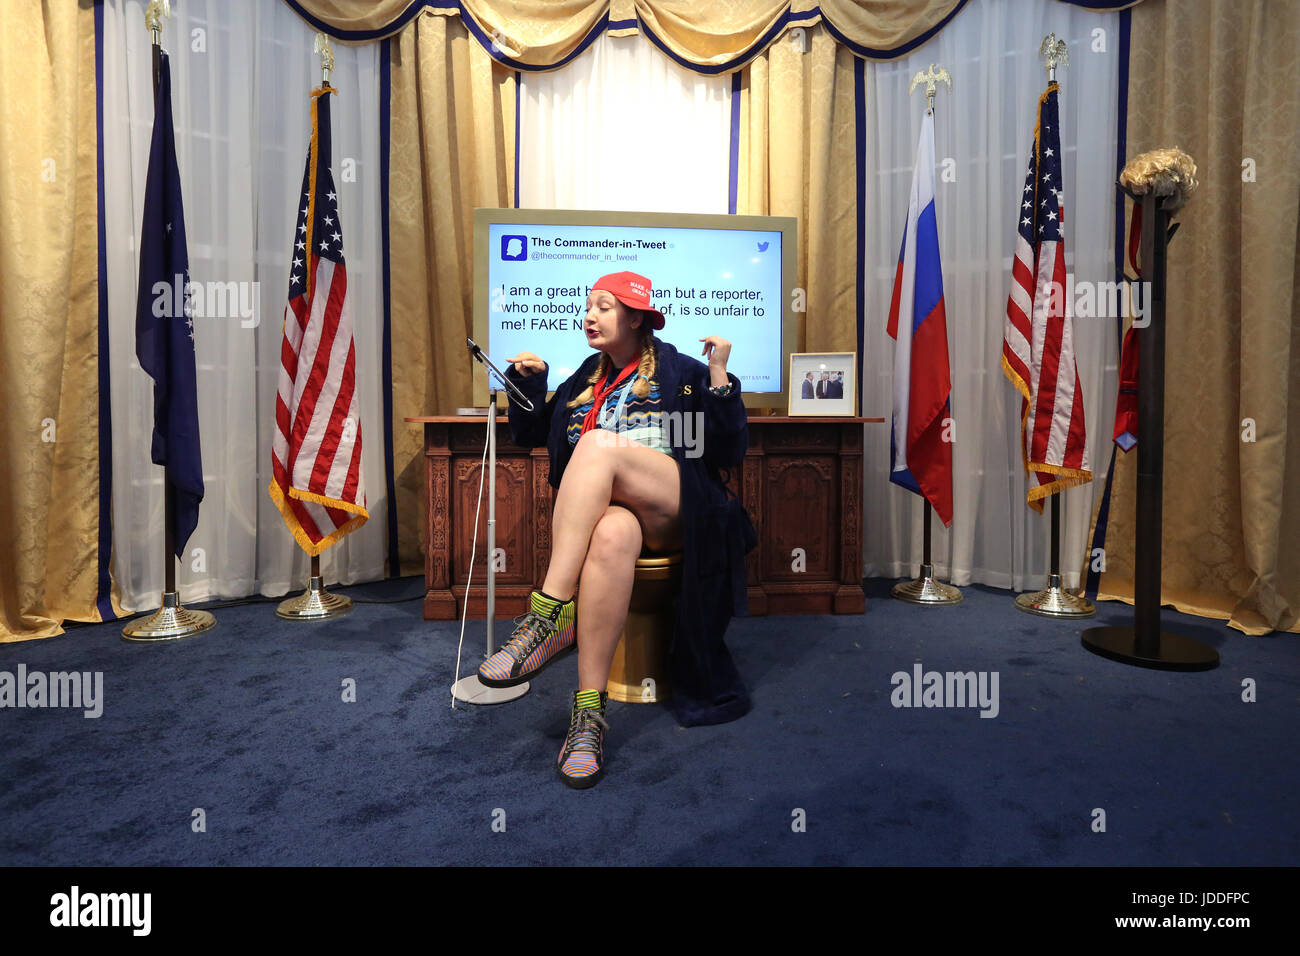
[(1055, 601), (926, 590), (314, 604), (169, 622)]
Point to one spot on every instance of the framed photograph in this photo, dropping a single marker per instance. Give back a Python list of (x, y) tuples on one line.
[(823, 383)]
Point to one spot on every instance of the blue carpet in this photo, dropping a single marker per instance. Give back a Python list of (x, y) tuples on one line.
[(247, 722)]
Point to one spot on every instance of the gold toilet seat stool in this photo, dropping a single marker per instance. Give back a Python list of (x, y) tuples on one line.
[(639, 671)]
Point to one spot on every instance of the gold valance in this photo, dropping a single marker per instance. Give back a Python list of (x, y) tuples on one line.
[(710, 38)]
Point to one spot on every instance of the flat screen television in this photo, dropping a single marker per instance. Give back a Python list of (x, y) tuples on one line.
[(732, 276)]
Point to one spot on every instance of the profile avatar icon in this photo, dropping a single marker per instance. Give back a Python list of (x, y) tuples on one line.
[(514, 248)]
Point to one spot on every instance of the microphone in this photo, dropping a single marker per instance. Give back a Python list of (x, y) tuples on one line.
[(510, 388)]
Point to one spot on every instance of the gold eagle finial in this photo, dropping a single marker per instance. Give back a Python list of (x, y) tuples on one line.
[(326, 56), (1054, 53), (154, 13), (930, 77)]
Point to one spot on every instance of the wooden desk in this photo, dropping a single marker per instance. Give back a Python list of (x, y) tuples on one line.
[(801, 482)]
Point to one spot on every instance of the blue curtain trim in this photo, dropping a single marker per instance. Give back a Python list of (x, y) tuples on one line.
[(519, 82), (860, 150), (1121, 147), (103, 599), (388, 29), (385, 114)]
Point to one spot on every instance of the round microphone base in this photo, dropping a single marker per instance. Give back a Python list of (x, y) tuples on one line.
[(471, 690)]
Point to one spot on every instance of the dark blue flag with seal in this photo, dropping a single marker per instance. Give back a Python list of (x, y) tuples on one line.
[(164, 326)]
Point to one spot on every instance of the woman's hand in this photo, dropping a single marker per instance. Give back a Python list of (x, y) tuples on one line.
[(718, 350), (526, 363)]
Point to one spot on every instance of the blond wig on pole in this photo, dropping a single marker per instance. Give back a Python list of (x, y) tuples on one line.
[(1164, 172)]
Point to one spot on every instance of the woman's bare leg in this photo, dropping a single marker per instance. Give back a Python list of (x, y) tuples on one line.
[(604, 593), (600, 473)]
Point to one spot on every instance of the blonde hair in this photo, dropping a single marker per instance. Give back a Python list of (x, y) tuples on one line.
[(1166, 172), (645, 370)]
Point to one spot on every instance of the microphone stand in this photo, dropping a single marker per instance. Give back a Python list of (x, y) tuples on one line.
[(470, 689)]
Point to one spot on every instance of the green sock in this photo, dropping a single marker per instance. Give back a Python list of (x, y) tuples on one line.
[(546, 605), (589, 698)]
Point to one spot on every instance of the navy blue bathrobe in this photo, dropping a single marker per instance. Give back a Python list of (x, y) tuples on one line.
[(716, 531)]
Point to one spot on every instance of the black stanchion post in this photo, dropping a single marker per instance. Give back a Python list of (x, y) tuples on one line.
[(1151, 440), (1144, 644)]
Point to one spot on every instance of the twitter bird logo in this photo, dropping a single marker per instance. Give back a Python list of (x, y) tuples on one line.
[(762, 247)]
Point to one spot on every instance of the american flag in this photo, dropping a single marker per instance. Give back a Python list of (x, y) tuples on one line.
[(1038, 341), (316, 455)]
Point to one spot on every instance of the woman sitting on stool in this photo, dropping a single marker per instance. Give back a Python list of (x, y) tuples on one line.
[(654, 485)]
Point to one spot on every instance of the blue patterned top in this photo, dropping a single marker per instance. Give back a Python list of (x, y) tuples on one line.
[(642, 419)]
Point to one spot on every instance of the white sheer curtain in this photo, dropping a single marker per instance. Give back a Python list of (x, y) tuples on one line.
[(241, 74), (986, 126), (624, 127)]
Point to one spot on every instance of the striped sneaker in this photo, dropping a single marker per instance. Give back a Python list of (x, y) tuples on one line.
[(545, 633), (579, 765)]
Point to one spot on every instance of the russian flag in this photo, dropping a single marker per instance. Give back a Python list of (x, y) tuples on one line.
[(922, 458)]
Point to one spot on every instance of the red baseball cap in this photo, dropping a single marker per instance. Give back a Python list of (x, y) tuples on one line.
[(633, 291)]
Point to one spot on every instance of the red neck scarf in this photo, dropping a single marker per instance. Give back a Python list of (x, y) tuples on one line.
[(602, 392)]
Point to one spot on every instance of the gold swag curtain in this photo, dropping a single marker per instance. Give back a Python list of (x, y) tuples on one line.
[(452, 148), (541, 33), (49, 314), (1222, 81)]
